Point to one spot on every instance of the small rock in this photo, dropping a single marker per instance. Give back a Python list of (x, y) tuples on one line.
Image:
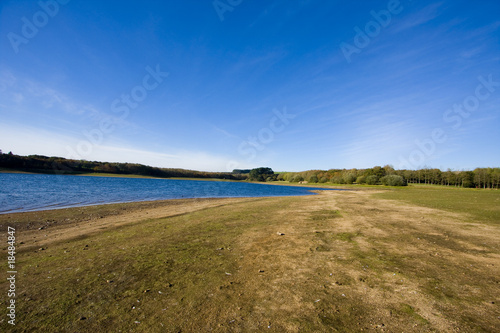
[(261, 271), (147, 290), (83, 318), (41, 249), (109, 281), (280, 233)]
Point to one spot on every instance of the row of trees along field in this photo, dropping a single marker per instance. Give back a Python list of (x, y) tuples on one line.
[(387, 175), (59, 165)]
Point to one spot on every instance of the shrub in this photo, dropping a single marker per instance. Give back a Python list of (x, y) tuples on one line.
[(297, 178), (349, 178), (361, 180), (372, 180), (393, 180)]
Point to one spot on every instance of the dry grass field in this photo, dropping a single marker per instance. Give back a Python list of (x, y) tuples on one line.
[(393, 260)]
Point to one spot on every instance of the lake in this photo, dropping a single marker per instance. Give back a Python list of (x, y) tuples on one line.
[(30, 192)]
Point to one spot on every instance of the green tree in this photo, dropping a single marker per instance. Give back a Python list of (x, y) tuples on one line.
[(261, 174), (323, 179), (372, 180), (361, 180), (388, 169), (349, 178), (337, 180), (313, 179), (393, 180)]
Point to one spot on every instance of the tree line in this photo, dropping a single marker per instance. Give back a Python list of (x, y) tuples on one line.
[(59, 165), (387, 175)]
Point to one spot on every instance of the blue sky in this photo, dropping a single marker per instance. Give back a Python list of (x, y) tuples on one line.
[(217, 85)]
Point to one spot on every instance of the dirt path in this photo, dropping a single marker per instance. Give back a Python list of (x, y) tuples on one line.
[(376, 263)]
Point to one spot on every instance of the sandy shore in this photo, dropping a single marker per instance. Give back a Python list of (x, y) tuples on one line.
[(41, 228)]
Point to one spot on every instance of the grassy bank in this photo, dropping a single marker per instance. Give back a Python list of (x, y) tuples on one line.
[(477, 204), (339, 261)]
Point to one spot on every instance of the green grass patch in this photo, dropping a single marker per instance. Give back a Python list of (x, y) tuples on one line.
[(409, 310), (325, 214), (346, 236), (482, 205)]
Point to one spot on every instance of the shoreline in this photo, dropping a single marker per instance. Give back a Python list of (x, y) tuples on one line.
[(105, 209), (41, 228), (85, 202), (76, 206)]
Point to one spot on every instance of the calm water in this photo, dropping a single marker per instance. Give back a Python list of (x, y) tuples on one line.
[(26, 192)]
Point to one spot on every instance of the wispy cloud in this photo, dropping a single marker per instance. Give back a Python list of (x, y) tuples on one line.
[(49, 97), (225, 133), (7, 80), (484, 31), (43, 101), (421, 17), (376, 142), (15, 91)]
